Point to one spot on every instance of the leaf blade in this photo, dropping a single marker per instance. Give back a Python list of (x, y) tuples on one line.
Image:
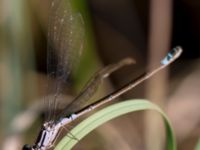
[(109, 113)]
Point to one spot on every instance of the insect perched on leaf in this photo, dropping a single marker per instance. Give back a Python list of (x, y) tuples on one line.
[(65, 43)]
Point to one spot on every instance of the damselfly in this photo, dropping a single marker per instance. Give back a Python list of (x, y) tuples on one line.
[(65, 37)]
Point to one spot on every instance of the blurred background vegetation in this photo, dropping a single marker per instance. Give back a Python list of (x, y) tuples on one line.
[(143, 30)]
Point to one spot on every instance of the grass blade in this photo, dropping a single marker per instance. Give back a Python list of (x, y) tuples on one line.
[(111, 112)]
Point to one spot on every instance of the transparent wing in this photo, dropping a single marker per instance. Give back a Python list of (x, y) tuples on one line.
[(91, 87), (65, 42)]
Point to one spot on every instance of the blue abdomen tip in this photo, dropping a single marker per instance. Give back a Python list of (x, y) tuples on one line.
[(170, 56)]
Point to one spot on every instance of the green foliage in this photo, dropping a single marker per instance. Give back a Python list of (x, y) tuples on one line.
[(109, 113)]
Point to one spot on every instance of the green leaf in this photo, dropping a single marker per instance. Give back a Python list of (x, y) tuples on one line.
[(111, 112)]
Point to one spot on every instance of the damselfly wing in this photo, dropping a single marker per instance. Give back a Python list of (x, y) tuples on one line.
[(65, 43)]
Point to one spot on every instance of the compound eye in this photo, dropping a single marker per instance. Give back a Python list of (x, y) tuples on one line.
[(27, 147)]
